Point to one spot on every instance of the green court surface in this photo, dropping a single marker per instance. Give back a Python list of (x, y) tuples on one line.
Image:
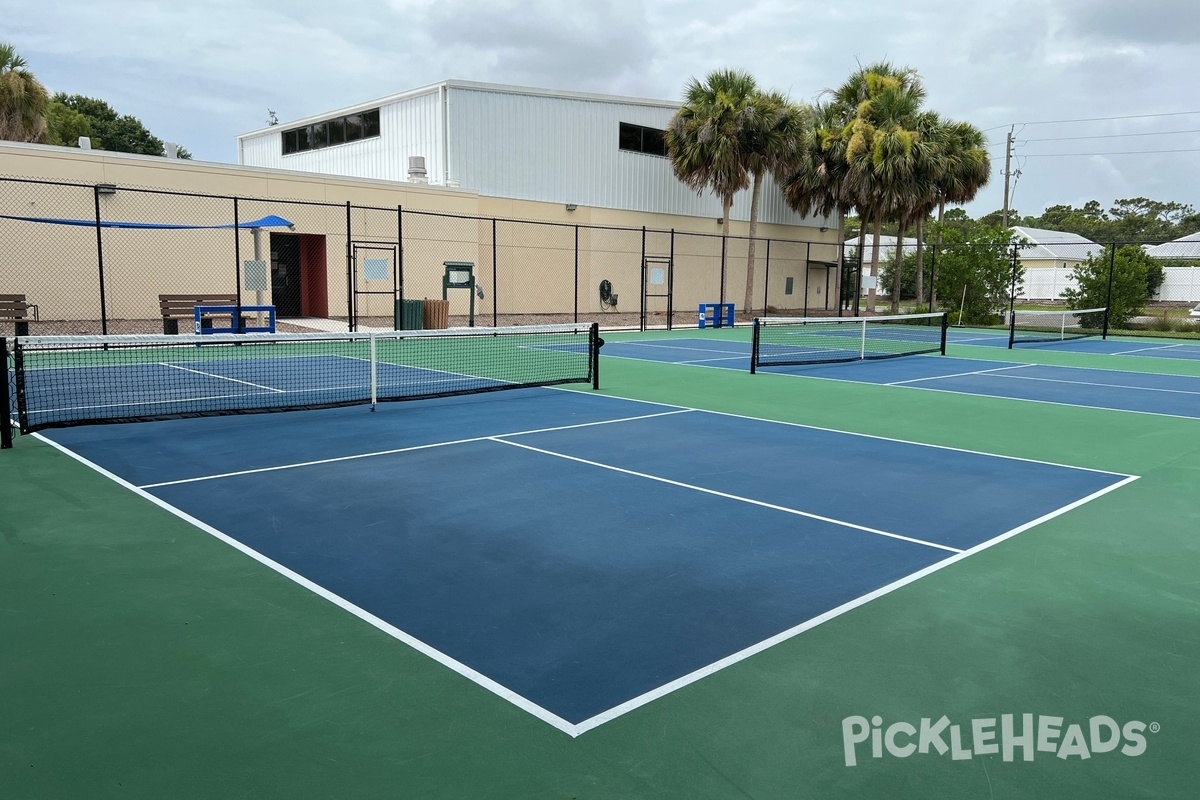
[(144, 658)]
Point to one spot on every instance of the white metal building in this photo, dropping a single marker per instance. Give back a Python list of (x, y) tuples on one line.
[(507, 141)]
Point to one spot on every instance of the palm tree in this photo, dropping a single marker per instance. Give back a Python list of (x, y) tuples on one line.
[(812, 170), (23, 100), (723, 138), (965, 169), (704, 138), (770, 124), (881, 104)]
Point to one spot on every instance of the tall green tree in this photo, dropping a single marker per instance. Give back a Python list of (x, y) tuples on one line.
[(1134, 279), (770, 124), (975, 272), (880, 104), (723, 139), (120, 133), (66, 126), (962, 169), (23, 99)]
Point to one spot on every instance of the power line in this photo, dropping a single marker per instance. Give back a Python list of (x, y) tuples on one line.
[(1106, 119), (1107, 136), (1118, 153)]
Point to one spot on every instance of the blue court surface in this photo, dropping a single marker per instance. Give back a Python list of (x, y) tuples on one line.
[(581, 555), (1172, 395), (1150, 348)]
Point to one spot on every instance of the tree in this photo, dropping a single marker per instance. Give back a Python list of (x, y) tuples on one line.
[(975, 272), (717, 140), (880, 104), (120, 133), (961, 171), (23, 100), (770, 124), (1134, 277), (811, 171), (66, 125)]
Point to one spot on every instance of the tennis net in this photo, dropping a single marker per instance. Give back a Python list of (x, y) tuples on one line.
[(1056, 326), (61, 381), (786, 341)]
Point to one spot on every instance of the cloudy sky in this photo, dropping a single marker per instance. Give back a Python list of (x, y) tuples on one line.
[(1098, 92)]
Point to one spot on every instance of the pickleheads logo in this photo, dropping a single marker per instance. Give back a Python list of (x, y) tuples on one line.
[(1030, 734)]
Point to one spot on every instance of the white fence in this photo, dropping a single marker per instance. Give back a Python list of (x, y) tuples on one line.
[(1180, 284), (1046, 283)]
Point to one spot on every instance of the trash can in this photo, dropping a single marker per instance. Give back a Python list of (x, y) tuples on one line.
[(410, 315), (437, 314)]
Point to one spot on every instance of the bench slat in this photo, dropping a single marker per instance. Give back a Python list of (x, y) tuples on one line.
[(13, 306)]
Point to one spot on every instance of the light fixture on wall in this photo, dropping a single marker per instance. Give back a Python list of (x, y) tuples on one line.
[(824, 228), (720, 220), (571, 206), (106, 188)]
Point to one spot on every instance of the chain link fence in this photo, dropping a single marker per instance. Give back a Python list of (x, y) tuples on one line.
[(101, 259)]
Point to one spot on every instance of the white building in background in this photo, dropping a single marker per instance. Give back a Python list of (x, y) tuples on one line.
[(1182, 282), (572, 148), (1049, 258)]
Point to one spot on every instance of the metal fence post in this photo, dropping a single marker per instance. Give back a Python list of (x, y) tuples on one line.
[(100, 263), (351, 311), (236, 323), (1112, 265), (495, 278)]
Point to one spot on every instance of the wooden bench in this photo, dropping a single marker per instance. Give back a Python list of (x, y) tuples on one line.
[(15, 308), (175, 307)]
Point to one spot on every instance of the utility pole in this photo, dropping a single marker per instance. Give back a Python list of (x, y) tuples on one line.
[(1007, 172)]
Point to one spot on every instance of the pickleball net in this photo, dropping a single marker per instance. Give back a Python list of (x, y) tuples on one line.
[(63, 381), (1056, 325), (790, 341)]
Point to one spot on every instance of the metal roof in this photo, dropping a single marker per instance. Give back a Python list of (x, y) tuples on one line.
[(1054, 244), (1185, 247)]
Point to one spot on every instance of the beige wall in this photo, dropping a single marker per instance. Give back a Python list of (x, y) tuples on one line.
[(56, 265)]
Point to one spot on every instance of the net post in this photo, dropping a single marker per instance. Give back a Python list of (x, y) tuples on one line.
[(594, 344), (754, 348), (862, 343), (945, 328), (19, 376), (6, 437), (374, 373), (1104, 327), (1012, 328)]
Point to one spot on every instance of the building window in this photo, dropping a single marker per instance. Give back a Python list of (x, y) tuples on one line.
[(338, 130), (640, 139)]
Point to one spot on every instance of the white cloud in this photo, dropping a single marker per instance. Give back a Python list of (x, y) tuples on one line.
[(202, 73)]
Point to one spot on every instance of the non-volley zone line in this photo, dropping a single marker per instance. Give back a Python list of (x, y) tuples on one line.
[(412, 448), (505, 438)]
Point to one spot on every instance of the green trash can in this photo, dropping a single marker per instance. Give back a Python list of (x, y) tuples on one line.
[(409, 315)]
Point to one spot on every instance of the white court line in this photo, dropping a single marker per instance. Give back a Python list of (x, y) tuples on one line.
[(654, 694), (676, 347), (707, 360), (1145, 349), (1105, 385), (159, 402), (984, 338), (336, 459), (221, 377), (957, 374), (979, 394), (727, 496)]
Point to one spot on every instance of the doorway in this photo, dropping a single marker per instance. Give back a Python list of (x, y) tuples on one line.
[(285, 275)]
